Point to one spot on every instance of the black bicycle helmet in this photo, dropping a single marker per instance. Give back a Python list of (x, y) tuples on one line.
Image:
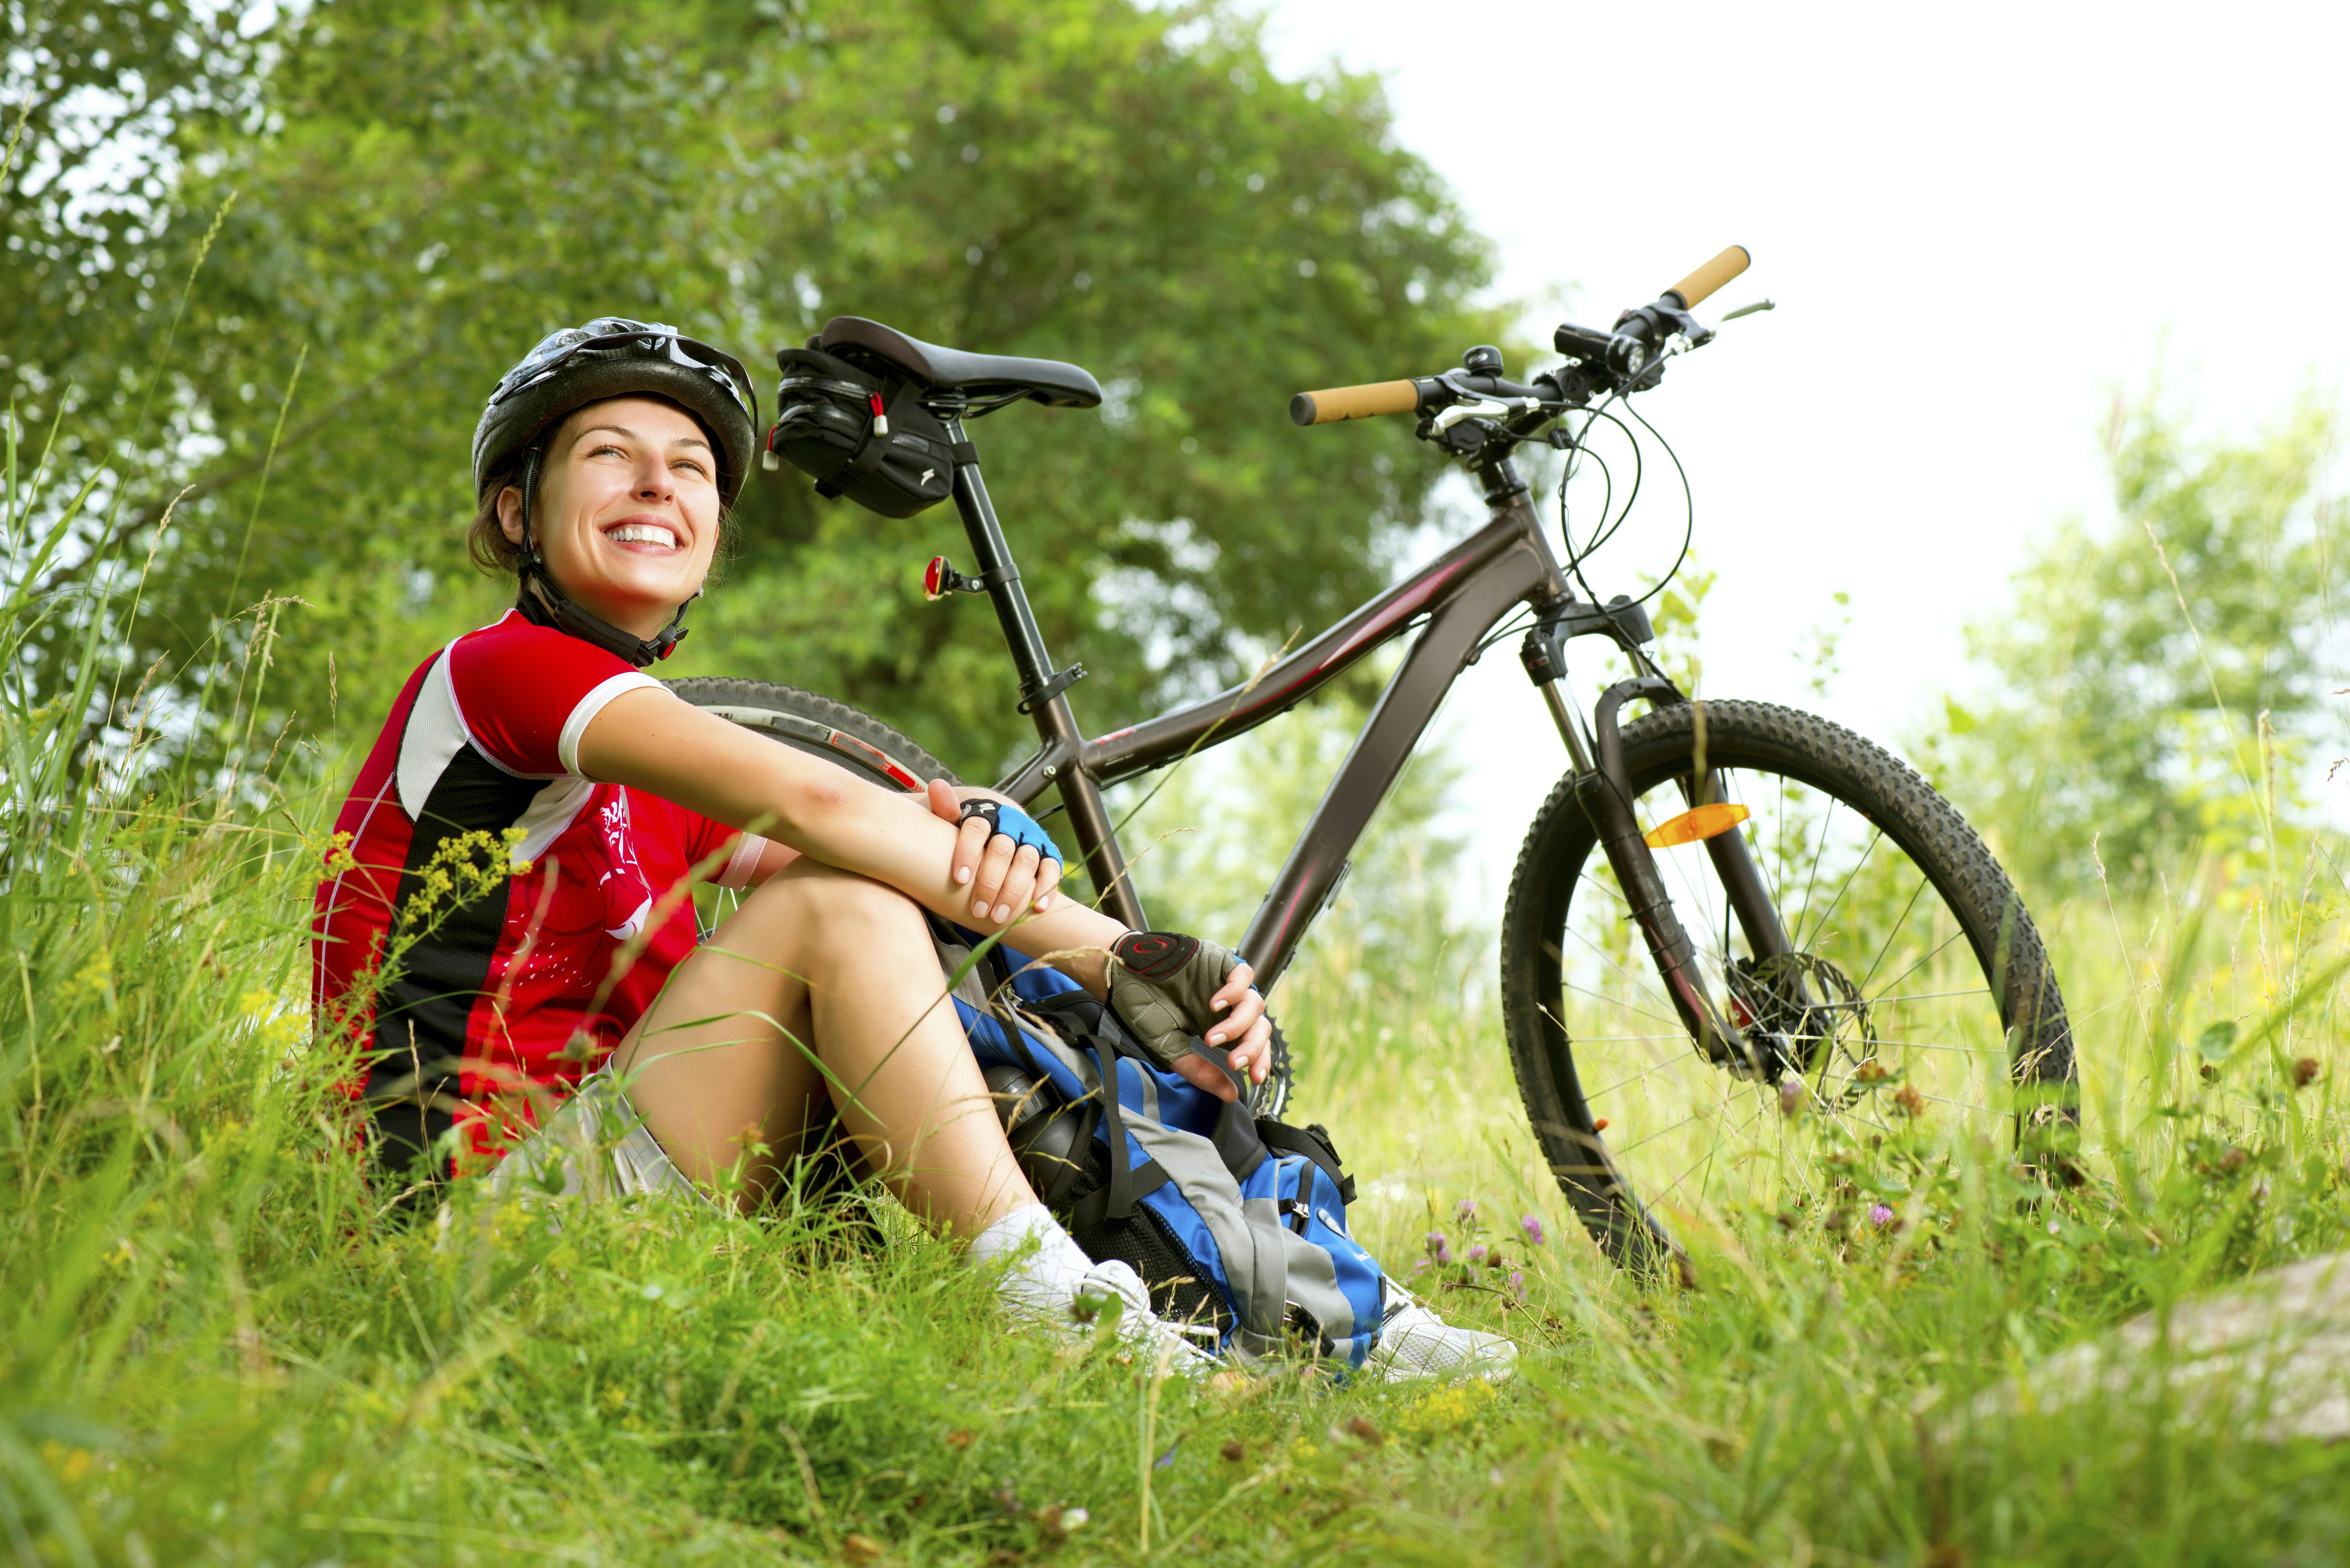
[(610, 357)]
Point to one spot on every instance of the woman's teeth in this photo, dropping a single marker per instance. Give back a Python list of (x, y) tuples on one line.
[(644, 534)]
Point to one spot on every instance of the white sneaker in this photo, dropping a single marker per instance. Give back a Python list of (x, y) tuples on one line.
[(1137, 1326), (1416, 1343)]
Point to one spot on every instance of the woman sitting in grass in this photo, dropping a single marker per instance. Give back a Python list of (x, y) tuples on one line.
[(604, 467)]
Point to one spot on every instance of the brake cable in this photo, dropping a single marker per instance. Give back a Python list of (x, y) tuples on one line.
[(1689, 508), (1606, 530)]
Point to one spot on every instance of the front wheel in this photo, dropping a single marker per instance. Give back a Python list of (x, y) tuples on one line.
[(879, 754), (1915, 987)]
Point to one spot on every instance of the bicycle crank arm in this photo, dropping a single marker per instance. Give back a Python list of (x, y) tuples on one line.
[(1607, 792)]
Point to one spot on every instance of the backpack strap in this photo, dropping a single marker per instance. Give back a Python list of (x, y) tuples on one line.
[(1079, 1015), (1237, 1139), (1312, 1141), (1094, 1208)]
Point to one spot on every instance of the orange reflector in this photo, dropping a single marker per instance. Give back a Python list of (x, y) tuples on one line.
[(1702, 821)]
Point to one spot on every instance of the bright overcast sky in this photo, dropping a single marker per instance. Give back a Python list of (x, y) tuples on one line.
[(1980, 223)]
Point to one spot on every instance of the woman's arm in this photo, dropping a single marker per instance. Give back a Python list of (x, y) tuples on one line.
[(987, 862), (654, 741)]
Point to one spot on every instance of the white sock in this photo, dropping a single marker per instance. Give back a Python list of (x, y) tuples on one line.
[(1046, 1270)]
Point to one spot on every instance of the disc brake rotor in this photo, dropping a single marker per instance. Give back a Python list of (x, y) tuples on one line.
[(1800, 1012)]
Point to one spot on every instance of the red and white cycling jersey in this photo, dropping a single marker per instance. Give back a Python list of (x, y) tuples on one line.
[(485, 739)]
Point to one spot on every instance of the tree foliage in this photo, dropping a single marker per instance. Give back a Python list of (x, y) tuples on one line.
[(2164, 682), (96, 98), (441, 182)]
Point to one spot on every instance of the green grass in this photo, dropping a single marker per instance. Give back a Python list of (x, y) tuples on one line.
[(218, 1350)]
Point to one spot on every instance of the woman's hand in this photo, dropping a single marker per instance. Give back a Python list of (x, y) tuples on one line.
[(1244, 1022), (1171, 990), (1006, 877)]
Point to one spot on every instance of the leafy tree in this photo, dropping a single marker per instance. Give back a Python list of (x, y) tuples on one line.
[(96, 96), (2159, 681), (1132, 189)]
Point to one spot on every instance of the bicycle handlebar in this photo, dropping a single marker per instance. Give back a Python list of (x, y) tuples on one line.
[(1628, 352), (1712, 276), (1334, 404)]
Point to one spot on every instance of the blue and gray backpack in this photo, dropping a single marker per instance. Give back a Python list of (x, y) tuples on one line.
[(1236, 1222)]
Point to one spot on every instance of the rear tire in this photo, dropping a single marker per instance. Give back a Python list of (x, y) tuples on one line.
[(1885, 906), (820, 727), (879, 754)]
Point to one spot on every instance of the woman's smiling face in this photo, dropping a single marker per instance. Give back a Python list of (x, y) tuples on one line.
[(626, 510)]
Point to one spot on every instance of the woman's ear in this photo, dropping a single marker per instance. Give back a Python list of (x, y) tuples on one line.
[(510, 515)]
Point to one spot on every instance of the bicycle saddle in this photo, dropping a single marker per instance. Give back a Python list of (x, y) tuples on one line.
[(1049, 381)]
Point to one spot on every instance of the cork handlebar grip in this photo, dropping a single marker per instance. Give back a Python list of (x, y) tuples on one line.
[(1712, 276), (1334, 404)]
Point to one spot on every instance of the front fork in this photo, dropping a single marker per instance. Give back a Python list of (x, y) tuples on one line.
[(1605, 788)]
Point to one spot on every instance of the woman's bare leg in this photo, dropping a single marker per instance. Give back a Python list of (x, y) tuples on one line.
[(825, 960)]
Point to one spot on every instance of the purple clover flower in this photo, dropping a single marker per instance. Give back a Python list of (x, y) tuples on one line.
[(1437, 1245), (1518, 1284), (1465, 1210), (1879, 1215), (1476, 1253), (1531, 1226)]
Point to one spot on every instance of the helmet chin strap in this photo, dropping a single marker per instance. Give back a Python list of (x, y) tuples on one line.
[(541, 603)]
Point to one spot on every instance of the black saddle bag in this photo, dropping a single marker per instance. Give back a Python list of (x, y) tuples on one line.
[(859, 434)]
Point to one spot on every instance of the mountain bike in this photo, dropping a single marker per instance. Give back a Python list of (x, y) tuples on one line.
[(1826, 953)]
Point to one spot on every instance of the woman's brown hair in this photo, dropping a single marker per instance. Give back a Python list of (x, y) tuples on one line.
[(485, 541)]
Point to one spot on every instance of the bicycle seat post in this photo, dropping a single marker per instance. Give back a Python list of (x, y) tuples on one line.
[(1044, 691), (997, 572)]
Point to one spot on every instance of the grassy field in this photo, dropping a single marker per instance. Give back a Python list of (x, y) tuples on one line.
[(219, 1351)]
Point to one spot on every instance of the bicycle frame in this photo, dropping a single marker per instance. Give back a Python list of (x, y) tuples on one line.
[(1457, 600)]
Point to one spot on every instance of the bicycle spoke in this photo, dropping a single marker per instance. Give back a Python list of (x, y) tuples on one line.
[(1929, 958), (1753, 846), (1621, 1082), (1706, 1158), (1827, 1107), (1892, 931), (1983, 990), (1658, 1133), (1628, 1039), (1812, 881), (1591, 880), (1614, 963), (1614, 1002), (1875, 836)]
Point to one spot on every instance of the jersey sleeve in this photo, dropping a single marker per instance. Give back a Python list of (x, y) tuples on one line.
[(704, 838), (525, 693)]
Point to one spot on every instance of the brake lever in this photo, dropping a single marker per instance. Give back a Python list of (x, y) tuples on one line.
[(1662, 322), (1483, 409)]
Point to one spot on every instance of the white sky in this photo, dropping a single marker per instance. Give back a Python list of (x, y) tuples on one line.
[(1980, 224)]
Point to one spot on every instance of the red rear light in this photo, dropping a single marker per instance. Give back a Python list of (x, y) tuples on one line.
[(934, 577)]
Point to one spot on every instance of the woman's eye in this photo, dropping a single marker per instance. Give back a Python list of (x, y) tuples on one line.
[(690, 466)]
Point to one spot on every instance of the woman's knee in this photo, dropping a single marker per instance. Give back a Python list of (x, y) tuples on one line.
[(828, 904)]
